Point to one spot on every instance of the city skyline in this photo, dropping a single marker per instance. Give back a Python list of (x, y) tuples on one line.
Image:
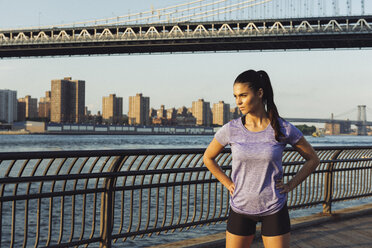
[(112, 105), (316, 82), (66, 102), (98, 107)]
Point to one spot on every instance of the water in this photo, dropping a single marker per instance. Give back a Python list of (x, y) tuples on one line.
[(21, 143)]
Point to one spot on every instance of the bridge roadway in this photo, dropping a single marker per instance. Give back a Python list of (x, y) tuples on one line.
[(234, 35), (315, 120), (346, 228)]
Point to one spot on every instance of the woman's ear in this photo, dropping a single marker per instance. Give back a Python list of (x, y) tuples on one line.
[(260, 93)]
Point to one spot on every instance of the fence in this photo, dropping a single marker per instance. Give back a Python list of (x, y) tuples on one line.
[(98, 198)]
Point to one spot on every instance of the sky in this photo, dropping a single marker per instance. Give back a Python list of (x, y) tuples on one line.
[(311, 84)]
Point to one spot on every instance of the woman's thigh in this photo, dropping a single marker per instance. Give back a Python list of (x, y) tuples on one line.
[(276, 229), (280, 241), (276, 224), (237, 241)]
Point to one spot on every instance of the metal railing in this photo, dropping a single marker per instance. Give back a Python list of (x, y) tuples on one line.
[(91, 198)]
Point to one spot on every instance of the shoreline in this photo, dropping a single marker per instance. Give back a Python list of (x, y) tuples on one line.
[(102, 133), (25, 132)]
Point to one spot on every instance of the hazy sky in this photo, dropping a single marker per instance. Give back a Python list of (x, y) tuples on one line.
[(310, 84)]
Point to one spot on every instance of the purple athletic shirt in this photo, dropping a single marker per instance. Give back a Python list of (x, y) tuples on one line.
[(256, 165)]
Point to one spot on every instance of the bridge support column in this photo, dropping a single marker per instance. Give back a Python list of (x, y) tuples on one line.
[(362, 120)]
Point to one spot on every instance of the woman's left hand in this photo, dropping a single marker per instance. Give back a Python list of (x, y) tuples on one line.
[(284, 187)]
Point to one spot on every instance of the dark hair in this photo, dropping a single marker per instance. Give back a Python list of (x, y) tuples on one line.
[(255, 81)]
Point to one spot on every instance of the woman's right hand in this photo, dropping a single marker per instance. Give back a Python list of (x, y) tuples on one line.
[(231, 189)]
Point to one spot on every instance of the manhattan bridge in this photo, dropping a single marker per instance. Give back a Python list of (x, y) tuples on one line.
[(201, 26), (207, 26)]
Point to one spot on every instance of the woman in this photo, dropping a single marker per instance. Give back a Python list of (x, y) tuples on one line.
[(257, 140)]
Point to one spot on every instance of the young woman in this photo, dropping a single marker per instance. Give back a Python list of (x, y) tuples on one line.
[(257, 140)]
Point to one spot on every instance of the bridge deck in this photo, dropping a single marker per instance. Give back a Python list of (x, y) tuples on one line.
[(350, 227)]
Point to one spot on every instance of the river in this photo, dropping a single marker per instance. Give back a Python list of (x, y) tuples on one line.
[(23, 143)]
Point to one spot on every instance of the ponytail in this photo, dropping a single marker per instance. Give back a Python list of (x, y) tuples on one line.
[(257, 80)]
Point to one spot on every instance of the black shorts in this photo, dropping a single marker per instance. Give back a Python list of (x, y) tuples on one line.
[(272, 225)]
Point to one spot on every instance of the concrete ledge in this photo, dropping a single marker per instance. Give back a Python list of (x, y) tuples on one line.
[(338, 215), (218, 240), (215, 240)]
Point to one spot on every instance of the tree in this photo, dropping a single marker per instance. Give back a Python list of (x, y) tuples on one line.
[(306, 130)]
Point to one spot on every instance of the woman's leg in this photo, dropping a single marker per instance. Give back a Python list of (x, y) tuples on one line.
[(280, 241), (237, 241), (276, 228), (240, 230)]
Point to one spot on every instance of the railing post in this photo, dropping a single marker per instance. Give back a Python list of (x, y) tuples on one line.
[(106, 217), (107, 205), (328, 185)]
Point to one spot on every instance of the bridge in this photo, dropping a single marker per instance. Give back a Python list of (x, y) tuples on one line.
[(361, 123), (320, 120), (197, 26), (361, 126)]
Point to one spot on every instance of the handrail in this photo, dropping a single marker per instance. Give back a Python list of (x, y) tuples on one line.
[(81, 198), (113, 152)]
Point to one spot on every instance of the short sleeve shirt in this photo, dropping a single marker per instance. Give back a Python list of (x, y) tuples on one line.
[(256, 165)]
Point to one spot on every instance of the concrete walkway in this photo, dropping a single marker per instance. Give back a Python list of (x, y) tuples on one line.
[(351, 227)]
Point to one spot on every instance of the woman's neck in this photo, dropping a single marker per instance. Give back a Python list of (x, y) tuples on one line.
[(257, 120)]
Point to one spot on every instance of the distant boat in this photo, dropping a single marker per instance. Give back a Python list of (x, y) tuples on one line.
[(318, 134)]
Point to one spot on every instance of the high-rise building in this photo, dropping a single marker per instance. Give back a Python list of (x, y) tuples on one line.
[(235, 113), (87, 112), (162, 113), (44, 105), (202, 112), (182, 111), (171, 114), (8, 106), (153, 113), (78, 100), (221, 113), (139, 109), (159, 117), (67, 100), (27, 108), (21, 111), (112, 108)]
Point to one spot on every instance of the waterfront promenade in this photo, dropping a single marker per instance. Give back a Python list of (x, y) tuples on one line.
[(350, 227), (107, 198)]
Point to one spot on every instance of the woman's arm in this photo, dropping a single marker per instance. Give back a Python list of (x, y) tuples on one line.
[(312, 161), (210, 154)]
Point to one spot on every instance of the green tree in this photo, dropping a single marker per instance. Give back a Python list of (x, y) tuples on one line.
[(306, 130)]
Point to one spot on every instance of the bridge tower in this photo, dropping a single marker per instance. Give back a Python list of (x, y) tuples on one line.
[(332, 127), (362, 120)]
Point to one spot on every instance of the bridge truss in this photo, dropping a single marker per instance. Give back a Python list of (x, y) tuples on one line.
[(310, 33)]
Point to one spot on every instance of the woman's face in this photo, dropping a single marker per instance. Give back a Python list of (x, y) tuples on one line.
[(246, 99)]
